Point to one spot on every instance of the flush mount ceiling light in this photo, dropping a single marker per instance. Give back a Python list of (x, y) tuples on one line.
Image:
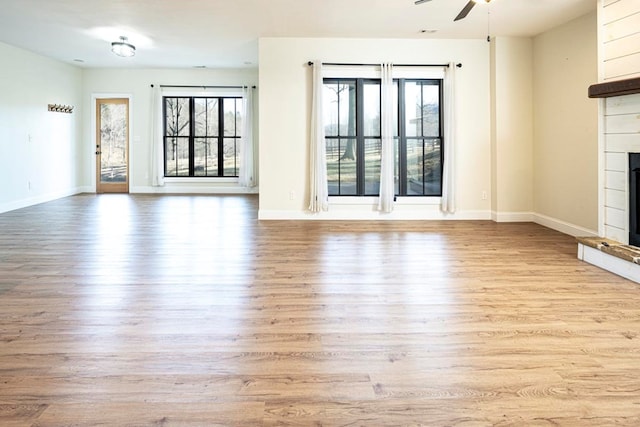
[(123, 47)]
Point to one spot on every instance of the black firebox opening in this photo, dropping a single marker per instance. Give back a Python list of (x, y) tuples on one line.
[(634, 199)]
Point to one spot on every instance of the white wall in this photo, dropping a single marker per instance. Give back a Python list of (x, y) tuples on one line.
[(285, 87), (40, 151), (136, 84), (566, 126), (512, 133)]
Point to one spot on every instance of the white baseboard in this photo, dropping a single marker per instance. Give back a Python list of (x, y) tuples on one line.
[(512, 216), (368, 215), (615, 265), (547, 221), (169, 189), (42, 198), (562, 226)]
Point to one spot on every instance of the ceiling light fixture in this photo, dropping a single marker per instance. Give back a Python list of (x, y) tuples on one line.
[(123, 47)]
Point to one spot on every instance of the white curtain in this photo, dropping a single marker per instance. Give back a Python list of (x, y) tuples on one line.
[(247, 167), (387, 163), (448, 204), (155, 132), (319, 191)]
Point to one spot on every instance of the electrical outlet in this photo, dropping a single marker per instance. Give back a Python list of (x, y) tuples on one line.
[(484, 195), (29, 185), (292, 195)]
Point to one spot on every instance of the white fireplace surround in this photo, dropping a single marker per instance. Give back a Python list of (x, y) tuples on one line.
[(621, 136), (620, 126)]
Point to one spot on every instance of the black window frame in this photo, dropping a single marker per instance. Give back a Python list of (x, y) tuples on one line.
[(400, 136), (192, 137)]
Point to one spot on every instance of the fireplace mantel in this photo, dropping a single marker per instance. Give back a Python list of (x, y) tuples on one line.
[(615, 88)]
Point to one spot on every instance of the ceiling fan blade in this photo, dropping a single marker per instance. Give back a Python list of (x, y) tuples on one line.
[(421, 1), (465, 10)]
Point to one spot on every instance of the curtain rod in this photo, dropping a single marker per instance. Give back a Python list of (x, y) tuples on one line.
[(459, 65), (207, 87)]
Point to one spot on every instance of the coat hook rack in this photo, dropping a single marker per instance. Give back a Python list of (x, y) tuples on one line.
[(59, 108)]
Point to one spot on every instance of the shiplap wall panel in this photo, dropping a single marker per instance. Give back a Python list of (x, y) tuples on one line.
[(627, 104), (621, 28), (615, 217), (616, 161), (616, 199), (617, 234), (617, 10), (621, 47), (620, 39), (621, 67), (616, 180), (623, 123), (623, 143)]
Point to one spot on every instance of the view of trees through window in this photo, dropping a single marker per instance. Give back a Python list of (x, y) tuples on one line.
[(202, 136), (113, 142), (353, 136)]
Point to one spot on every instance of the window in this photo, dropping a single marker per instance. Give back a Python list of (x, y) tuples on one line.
[(353, 136), (202, 136)]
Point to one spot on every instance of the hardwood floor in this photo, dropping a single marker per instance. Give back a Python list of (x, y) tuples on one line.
[(188, 311)]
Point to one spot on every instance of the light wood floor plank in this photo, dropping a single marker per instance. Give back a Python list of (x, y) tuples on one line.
[(187, 310)]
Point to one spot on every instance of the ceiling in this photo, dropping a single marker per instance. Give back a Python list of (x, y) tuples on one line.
[(225, 33)]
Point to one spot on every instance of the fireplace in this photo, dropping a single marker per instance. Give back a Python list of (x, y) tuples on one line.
[(619, 218)]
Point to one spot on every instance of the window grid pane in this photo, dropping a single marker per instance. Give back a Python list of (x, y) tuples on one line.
[(206, 157), (352, 109), (194, 129), (372, 157)]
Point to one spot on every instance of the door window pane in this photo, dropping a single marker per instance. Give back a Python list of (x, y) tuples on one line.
[(113, 142)]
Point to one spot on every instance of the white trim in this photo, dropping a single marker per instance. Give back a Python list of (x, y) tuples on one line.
[(512, 216), (373, 201), (601, 166), (192, 189), (92, 160), (360, 215), (563, 227), (43, 198), (199, 92), (201, 180), (613, 264), (374, 72)]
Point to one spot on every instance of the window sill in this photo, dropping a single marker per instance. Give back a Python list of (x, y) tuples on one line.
[(373, 200), (203, 180)]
